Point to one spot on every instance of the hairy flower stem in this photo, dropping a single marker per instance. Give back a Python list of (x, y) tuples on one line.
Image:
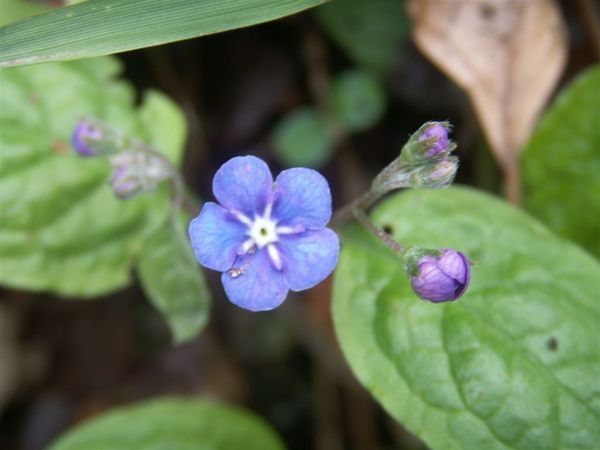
[(355, 210), (346, 213), (384, 237), (396, 175)]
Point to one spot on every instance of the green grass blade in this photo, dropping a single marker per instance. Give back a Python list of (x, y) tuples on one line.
[(101, 27)]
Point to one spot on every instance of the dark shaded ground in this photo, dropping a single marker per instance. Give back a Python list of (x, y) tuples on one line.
[(78, 358)]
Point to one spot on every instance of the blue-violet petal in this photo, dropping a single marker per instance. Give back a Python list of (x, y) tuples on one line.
[(244, 184), (303, 199), (254, 284), (216, 237), (308, 258)]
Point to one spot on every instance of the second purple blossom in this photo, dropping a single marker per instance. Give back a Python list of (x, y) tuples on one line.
[(439, 276)]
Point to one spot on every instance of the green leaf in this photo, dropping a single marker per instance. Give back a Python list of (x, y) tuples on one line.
[(514, 364), (561, 164), (172, 279), (303, 138), (371, 32), (61, 227), (102, 27), (172, 424), (165, 124), (358, 99)]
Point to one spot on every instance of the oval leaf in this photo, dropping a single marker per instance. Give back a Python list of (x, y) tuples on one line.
[(561, 164), (102, 27), (61, 227), (371, 32), (358, 99), (172, 279), (514, 364), (302, 138), (172, 424)]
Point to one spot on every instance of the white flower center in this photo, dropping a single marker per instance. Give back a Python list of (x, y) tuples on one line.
[(263, 231)]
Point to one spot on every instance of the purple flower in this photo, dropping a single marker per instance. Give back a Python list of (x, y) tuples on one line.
[(441, 144), (267, 238), (84, 136), (441, 278)]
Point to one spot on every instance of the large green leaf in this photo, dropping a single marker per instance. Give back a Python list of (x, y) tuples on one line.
[(561, 164), (172, 279), (61, 227), (172, 424), (101, 27), (514, 364), (372, 32)]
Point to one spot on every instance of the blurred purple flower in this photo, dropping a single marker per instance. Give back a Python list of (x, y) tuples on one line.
[(126, 183), (135, 172), (441, 144), (267, 238), (441, 278), (85, 135)]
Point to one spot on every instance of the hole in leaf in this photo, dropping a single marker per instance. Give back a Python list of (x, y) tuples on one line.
[(388, 229)]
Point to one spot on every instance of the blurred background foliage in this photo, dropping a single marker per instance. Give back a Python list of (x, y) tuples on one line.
[(338, 88)]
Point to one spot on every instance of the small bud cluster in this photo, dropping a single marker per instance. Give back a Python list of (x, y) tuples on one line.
[(136, 167), (428, 154), (425, 161)]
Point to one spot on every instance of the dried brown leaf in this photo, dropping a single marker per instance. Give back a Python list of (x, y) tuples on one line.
[(507, 55)]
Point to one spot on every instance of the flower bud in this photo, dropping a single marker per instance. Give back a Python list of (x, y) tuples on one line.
[(87, 138), (126, 183), (137, 171), (437, 175), (438, 276), (441, 141), (91, 137), (424, 162), (427, 143)]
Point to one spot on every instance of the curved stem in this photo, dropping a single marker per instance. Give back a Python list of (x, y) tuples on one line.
[(364, 220), (346, 212)]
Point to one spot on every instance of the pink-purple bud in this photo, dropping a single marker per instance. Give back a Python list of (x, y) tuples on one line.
[(85, 135), (136, 171), (441, 134), (441, 278), (126, 182)]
